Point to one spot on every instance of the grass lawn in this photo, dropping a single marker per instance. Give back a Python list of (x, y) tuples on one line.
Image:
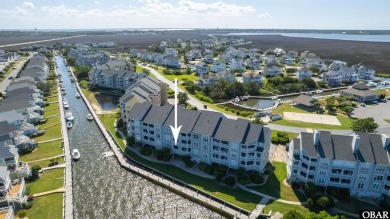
[(50, 121), (44, 150), (52, 98), (235, 196), (275, 187), (48, 206), (108, 122), (138, 69), (344, 120), (51, 112), (51, 106), (286, 107), (291, 135), (190, 77), (387, 120), (50, 133), (48, 180), (45, 163), (276, 206), (90, 97), (354, 206)]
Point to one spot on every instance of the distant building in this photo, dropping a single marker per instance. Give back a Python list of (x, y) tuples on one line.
[(272, 70), (333, 78), (361, 92), (249, 76), (365, 72), (304, 72)]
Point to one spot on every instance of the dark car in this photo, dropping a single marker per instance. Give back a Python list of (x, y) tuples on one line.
[(10, 78), (205, 106)]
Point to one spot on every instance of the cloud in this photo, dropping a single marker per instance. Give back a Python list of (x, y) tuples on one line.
[(97, 2), (61, 10), (24, 8), (264, 15), (216, 8)]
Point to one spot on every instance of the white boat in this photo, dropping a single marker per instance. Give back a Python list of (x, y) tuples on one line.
[(65, 101), (63, 88), (66, 105), (69, 124), (76, 154), (77, 95), (371, 84), (72, 79), (69, 116), (63, 93), (89, 117), (319, 91), (274, 98)]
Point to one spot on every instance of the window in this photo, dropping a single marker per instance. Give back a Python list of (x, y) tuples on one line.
[(362, 176), (324, 163), (360, 185), (250, 163), (380, 169), (321, 180), (375, 186), (258, 163), (336, 171), (196, 144), (346, 181), (348, 172), (334, 179), (205, 139), (295, 171), (378, 177), (205, 147), (158, 136), (364, 167), (322, 172), (196, 136), (296, 162)]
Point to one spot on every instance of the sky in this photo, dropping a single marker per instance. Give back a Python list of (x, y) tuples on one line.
[(256, 14)]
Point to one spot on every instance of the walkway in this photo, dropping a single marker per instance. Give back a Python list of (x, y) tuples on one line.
[(48, 158), (56, 139), (55, 167), (270, 197), (60, 190), (68, 214), (259, 208)]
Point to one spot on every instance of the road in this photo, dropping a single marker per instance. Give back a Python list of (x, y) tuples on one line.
[(39, 41), (199, 105), (4, 84)]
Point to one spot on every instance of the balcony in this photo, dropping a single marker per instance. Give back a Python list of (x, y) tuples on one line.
[(7, 213)]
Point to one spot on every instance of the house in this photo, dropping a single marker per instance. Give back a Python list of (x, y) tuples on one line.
[(147, 89), (337, 64), (218, 66), (11, 135), (304, 72), (226, 75), (249, 76), (348, 74), (358, 163), (253, 63), (288, 60), (272, 70), (208, 59), (305, 100), (279, 51), (361, 92), (208, 79), (207, 137), (202, 68), (270, 59), (12, 117), (365, 72), (133, 53), (189, 56), (333, 78), (8, 155), (236, 63), (171, 61), (22, 104), (170, 51)]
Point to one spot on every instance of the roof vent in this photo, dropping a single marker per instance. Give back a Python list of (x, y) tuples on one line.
[(355, 143)]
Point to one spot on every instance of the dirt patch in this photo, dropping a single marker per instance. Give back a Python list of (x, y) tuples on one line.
[(312, 118)]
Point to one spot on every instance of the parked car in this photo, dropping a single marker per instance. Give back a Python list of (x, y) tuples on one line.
[(10, 78), (363, 104), (205, 106), (276, 117)]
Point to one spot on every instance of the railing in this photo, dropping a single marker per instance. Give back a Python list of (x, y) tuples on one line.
[(9, 210)]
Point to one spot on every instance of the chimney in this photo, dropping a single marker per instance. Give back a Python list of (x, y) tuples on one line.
[(316, 136), (385, 140), (355, 143)]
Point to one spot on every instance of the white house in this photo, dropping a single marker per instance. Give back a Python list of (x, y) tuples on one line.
[(249, 76), (365, 72), (304, 72), (333, 78), (272, 70), (202, 68), (218, 66)]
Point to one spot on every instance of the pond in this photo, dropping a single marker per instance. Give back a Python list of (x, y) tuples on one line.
[(107, 102)]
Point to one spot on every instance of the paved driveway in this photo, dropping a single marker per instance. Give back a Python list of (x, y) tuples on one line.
[(379, 112)]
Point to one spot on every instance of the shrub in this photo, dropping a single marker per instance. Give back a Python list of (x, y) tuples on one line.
[(230, 180), (244, 181), (187, 161), (295, 185), (220, 172), (206, 168), (240, 172), (311, 189), (167, 155), (29, 205), (22, 213), (26, 151), (310, 202), (119, 123), (43, 121), (27, 191), (146, 150), (159, 154), (35, 171), (130, 140), (256, 178), (268, 171), (40, 132), (84, 84), (203, 98), (324, 202)]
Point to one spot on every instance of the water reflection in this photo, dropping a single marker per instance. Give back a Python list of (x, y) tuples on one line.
[(107, 102)]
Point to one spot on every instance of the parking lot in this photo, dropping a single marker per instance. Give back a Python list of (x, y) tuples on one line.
[(379, 112)]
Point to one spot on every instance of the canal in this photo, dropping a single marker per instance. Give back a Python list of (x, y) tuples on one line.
[(101, 188)]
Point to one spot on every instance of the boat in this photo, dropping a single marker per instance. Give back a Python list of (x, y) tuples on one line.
[(274, 97), (63, 88), (69, 116), (319, 91), (245, 98), (89, 117), (371, 84), (75, 154), (66, 105), (69, 124), (63, 92), (77, 95), (72, 79), (65, 101)]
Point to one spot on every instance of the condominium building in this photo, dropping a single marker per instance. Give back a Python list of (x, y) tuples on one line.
[(206, 136), (357, 162)]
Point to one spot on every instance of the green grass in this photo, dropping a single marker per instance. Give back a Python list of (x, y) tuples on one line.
[(275, 187), (90, 97), (44, 150), (344, 120), (235, 196), (276, 206), (45, 163), (108, 122), (51, 106), (190, 77), (354, 206), (50, 133), (51, 112), (286, 107), (52, 98), (291, 135), (48, 206), (387, 120), (50, 121), (49, 180)]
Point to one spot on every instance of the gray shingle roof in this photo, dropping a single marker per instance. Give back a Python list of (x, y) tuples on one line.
[(185, 118), (4, 173), (232, 130), (256, 133), (5, 151), (305, 100), (371, 149), (207, 122), (139, 110), (157, 114), (307, 144), (6, 128)]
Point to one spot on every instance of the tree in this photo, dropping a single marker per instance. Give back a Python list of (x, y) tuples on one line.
[(293, 214), (311, 189), (82, 72), (35, 171), (323, 202), (317, 104), (252, 88), (258, 121), (365, 125), (314, 69), (183, 97), (330, 108), (230, 180), (146, 71), (71, 61), (382, 96)]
